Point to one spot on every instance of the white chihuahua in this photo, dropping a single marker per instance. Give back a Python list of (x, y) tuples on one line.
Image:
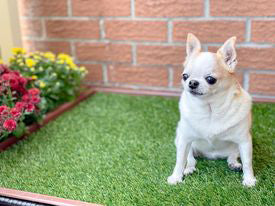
[(215, 112)]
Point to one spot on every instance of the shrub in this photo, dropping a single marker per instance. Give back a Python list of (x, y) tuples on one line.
[(58, 77), (16, 102)]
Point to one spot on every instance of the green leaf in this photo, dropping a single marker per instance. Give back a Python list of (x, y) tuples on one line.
[(20, 130)]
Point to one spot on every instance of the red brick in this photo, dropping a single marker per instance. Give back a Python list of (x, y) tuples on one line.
[(136, 30), (262, 84), (209, 31), (169, 8), (56, 47), (147, 76), (103, 52), (72, 29), (177, 76), (101, 7), (160, 54), (242, 8), (263, 31), (256, 58), (43, 8), (95, 74), (31, 27)]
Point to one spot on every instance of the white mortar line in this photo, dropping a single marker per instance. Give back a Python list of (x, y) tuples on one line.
[(170, 77), (262, 96), (105, 73), (260, 71), (248, 30), (197, 18), (102, 28), (44, 33), (133, 9), (239, 45), (170, 31), (206, 8), (246, 80), (134, 54), (69, 8), (72, 47)]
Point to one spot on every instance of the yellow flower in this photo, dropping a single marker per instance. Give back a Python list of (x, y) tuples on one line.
[(32, 69), (11, 59), (64, 57), (18, 51), (1, 61), (36, 56), (49, 55), (34, 77), (30, 62), (61, 61), (82, 69), (19, 60), (42, 84)]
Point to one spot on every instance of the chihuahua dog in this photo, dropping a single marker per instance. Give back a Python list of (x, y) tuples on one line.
[(215, 112)]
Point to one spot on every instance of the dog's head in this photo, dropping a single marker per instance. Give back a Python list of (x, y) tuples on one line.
[(207, 73)]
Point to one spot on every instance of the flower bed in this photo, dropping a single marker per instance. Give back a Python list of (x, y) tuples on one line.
[(32, 87), (49, 117)]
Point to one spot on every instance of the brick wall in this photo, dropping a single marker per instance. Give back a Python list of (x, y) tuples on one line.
[(141, 43)]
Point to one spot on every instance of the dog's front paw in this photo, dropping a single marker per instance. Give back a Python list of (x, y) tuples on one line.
[(249, 181), (174, 179)]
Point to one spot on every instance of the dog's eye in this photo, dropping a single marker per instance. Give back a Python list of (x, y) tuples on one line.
[(210, 80), (185, 77)]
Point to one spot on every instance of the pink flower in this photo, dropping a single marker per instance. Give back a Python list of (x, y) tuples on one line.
[(29, 107), (9, 125), (3, 108), (15, 113), (34, 91), (19, 105)]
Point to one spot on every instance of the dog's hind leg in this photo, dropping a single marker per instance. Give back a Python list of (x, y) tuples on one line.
[(233, 162), (191, 163)]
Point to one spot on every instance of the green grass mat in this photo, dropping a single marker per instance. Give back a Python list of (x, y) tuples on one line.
[(118, 150)]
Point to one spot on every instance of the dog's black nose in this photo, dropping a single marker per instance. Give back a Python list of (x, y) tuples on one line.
[(193, 84)]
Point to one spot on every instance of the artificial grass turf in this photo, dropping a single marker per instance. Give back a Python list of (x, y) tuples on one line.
[(118, 150)]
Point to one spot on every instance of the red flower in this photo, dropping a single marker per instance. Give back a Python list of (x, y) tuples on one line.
[(26, 98), (29, 107), (12, 79), (23, 81), (35, 100), (3, 109), (15, 113), (19, 105), (9, 125), (34, 91)]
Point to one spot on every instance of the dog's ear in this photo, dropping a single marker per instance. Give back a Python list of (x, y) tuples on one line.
[(228, 54), (193, 44)]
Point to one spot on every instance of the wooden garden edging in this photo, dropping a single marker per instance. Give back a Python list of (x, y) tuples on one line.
[(49, 117), (38, 198)]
